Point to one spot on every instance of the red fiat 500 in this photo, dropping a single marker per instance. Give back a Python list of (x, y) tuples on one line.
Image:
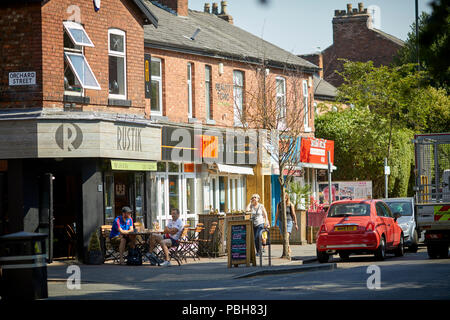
[(359, 227)]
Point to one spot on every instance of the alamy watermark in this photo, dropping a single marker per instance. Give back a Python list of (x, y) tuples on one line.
[(374, 281), (74, 280)]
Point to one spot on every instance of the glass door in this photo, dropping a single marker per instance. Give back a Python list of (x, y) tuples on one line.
[(190, 197)]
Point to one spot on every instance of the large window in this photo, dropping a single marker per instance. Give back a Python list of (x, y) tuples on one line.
[(281, 100), (208, 88), (238, 91), (189, 86), (117, 64), (156, 84), (78, 74)]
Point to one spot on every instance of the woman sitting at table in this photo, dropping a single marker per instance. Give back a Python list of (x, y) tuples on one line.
[(121, 232), (170, 237)]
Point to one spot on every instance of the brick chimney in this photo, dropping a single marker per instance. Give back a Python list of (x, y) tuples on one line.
[(316, 58), (215, 8), (347, 22), (179, 6), (207, 8), (224, 13)]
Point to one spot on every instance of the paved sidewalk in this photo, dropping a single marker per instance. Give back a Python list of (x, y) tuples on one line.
[(303, 259)]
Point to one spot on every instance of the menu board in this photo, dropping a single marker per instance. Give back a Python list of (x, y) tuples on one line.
[(238, 242), (241, 247)]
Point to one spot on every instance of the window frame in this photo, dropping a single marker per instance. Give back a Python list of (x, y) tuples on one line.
[(305, 101), (159, 80), (189, 85), (113, 53), (208, 93), (238, 87), (69, 25), (66, 56), (282, 113)]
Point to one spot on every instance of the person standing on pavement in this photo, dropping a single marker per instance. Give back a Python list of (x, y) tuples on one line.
[(121, 230), (260, 219), (291, 219), (170, 237)]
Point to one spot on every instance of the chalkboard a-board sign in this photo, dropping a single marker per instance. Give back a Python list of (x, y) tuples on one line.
[(241, 247)]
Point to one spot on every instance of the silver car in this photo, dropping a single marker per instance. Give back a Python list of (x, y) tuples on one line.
[(407, 221)]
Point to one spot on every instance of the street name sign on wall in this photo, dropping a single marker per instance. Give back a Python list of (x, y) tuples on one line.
[(22, 78)]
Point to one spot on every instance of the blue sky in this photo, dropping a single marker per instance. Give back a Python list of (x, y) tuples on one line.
[(301, 26)]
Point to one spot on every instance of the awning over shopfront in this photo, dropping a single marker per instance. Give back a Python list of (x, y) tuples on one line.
[(234, 169), (316, 166), (133, 165)]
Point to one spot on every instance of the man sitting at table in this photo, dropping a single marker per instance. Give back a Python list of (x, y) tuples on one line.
[(170, 237), (121, 232)]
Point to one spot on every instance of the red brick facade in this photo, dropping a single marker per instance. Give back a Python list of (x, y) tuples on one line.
[(175, 90), (38, 46), (355, 39)]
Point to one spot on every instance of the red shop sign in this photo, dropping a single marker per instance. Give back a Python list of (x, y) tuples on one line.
[(315, 150)]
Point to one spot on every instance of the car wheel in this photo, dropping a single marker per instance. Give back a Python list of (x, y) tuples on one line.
[(380, 252), (322, 256), (432, 251), (415, 240), (344, 255), (443, 251), (400, 250)]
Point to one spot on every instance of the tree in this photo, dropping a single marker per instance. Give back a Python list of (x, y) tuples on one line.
[(434, 45), (274, 105)]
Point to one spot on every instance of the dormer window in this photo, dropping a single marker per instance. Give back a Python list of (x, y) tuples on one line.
[(78, 74)]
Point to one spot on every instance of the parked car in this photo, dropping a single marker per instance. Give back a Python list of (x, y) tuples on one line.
[(359, 227), (405, 206)]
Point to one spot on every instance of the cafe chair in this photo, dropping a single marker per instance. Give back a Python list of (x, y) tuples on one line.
[(177, 252), (191, 244), (110, 250), (208, 245)]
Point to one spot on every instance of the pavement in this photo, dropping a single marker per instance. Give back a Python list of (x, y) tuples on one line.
[(214, 269)]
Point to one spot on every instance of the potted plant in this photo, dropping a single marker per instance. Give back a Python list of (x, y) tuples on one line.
[(95, 255)]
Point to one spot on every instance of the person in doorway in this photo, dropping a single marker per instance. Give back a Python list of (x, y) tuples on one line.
[(291, 219), (122, 230), (260, 219), (170, 237)]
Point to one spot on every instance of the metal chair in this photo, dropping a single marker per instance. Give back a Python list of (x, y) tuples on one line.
[(110, 249), (190, 245)]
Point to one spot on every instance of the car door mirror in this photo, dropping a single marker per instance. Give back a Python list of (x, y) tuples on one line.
[(397, 215)]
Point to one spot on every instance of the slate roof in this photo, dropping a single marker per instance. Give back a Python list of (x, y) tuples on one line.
[(323, 89), (217, 38)]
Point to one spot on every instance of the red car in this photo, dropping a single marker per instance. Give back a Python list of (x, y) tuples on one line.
[(359, 227)]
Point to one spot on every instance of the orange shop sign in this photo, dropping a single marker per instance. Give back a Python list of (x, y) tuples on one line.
[(315, 150)]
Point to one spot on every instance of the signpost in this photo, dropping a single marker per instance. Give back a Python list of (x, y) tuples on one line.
[(240, 243)]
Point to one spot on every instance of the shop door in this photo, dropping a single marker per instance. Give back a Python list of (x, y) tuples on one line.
[(46, 218), (121, 192)]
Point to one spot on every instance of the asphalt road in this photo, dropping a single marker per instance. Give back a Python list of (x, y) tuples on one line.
[(410, 277)]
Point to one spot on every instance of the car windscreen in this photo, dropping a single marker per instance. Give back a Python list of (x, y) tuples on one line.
[(349, 209), (404, 208)]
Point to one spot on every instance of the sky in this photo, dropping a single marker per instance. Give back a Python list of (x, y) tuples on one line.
[(304, 26)]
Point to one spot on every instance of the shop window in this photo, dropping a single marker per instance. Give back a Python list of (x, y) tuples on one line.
[(78, 74), (174, 192), (109, 199), (139, 192), (190, 196)]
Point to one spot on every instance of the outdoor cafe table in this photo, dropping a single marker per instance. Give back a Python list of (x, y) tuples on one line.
[(142, 238)]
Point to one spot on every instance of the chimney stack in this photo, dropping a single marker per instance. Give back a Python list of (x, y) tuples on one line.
[(361, 7), (224, 13), (179, 6), (207, 8), (215, 8), (349, 8)]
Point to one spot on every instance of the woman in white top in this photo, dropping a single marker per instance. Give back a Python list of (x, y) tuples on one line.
[(260, 220)]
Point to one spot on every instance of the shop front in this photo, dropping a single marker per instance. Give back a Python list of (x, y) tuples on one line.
[(66, 177), (204, 171)]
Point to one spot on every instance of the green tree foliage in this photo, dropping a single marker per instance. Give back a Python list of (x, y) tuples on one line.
[(434, 45), (360, 140), (389, 105)]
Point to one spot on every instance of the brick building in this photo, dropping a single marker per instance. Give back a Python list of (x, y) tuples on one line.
[(111, 106), (355, 39)]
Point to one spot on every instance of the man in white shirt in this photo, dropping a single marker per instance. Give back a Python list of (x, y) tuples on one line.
[(170, 237)]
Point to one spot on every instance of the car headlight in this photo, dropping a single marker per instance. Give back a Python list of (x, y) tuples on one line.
[(405, 226)]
